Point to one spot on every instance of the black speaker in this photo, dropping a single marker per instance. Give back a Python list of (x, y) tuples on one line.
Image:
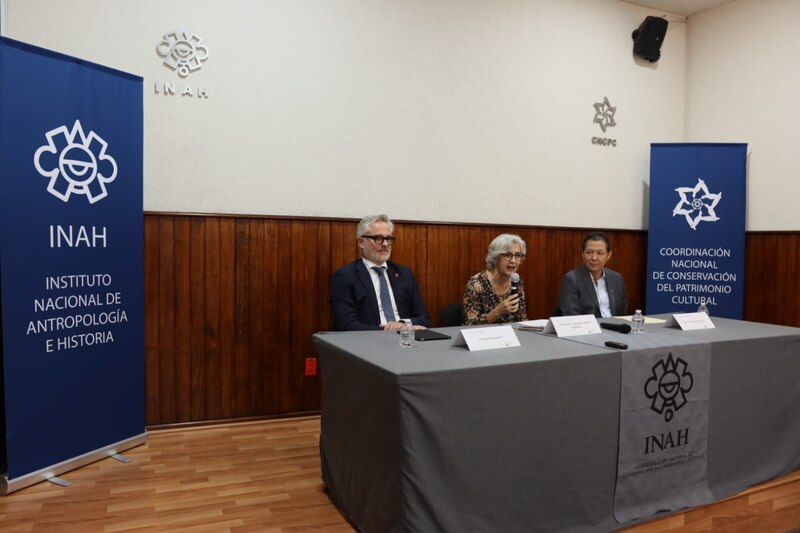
[(649, 37)]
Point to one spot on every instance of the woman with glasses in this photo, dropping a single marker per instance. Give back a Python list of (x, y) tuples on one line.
[(490, 296)]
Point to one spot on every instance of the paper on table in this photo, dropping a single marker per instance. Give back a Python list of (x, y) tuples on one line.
[(533, 325), (572, 326), (490, 338), (647, 319), (691, 321)]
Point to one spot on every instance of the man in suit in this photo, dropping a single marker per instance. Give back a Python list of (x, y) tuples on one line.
[(372, 292), (592, 289)]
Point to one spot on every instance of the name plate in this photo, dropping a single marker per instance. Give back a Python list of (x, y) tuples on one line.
[(572, 326), (490, 338), (690, 321)]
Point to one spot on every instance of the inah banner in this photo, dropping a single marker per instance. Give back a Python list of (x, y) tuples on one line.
[(70, 262)]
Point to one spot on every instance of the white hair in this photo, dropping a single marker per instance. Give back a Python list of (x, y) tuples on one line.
[(500, 245), (366, 222)]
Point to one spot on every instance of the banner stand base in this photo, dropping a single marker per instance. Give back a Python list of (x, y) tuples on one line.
[(10, 485)]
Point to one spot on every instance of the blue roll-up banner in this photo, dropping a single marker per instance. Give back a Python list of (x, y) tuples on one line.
[(71, 268), (696, 238)]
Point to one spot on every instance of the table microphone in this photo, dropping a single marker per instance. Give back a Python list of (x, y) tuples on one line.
[(514, 284), (621, 328)]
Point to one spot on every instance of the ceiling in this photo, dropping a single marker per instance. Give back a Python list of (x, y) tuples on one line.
[(686, 8)]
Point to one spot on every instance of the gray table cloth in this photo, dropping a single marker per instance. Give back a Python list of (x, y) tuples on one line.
[(438, 438)]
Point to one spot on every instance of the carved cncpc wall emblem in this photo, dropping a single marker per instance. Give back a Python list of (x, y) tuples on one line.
[(182, 51), (604, 114)]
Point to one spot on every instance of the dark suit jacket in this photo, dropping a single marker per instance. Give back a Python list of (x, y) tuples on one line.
[(578, 296), (354, 305)]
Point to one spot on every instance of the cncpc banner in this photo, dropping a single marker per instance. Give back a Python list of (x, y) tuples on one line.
[(70, 260), (696, 237)]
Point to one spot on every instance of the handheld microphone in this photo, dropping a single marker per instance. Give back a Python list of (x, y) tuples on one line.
[(620, 328), (514, 284)]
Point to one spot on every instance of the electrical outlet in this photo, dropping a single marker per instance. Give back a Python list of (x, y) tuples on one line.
[(311, 366)]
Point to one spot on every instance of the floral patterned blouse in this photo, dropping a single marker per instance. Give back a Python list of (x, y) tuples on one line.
[(480, 299)]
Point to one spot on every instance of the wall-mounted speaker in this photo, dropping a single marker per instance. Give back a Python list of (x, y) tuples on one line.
[(649, 37)]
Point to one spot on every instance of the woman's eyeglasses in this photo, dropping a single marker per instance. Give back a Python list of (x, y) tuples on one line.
[(509, 256)]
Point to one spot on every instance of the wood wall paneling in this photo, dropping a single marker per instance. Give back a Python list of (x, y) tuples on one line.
[(254, 383), (213, 288), (197, 318), (183, 324), (151, 337), (166, 322), (231, 302)]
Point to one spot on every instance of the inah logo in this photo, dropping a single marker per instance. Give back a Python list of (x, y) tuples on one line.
[(604, 114), (182, 51), (668, 386), (697, 204), (78, 163)]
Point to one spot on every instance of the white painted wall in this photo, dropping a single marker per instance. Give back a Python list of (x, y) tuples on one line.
[(442, 110), (743, 86)]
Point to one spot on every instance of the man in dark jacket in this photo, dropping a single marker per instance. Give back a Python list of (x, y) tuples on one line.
[(592, 289), (372, 292)]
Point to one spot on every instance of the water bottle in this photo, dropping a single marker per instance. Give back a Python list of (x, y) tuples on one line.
[(638, 322), (407, 336), (703, 307)]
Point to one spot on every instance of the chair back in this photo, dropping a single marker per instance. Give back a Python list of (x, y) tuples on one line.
[(451, 314)]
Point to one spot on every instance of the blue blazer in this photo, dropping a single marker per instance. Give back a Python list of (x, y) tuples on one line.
[(354, 305), (578, 296)]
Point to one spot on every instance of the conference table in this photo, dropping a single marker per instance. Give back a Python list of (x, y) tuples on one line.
[(439, 438)]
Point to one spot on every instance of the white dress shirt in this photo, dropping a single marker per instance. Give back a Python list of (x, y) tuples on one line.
[(602, 295)]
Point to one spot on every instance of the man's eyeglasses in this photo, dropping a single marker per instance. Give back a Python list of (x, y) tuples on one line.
[(379, 239), (509, 256)]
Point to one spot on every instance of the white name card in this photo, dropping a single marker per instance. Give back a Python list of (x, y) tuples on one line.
[(490, 338), (572, 326), (690, 321)]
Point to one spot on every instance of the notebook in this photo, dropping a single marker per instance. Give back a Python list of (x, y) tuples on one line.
[(429, 335)]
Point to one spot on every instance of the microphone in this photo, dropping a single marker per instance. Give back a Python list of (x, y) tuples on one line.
[(514, 284), (620, 328)]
